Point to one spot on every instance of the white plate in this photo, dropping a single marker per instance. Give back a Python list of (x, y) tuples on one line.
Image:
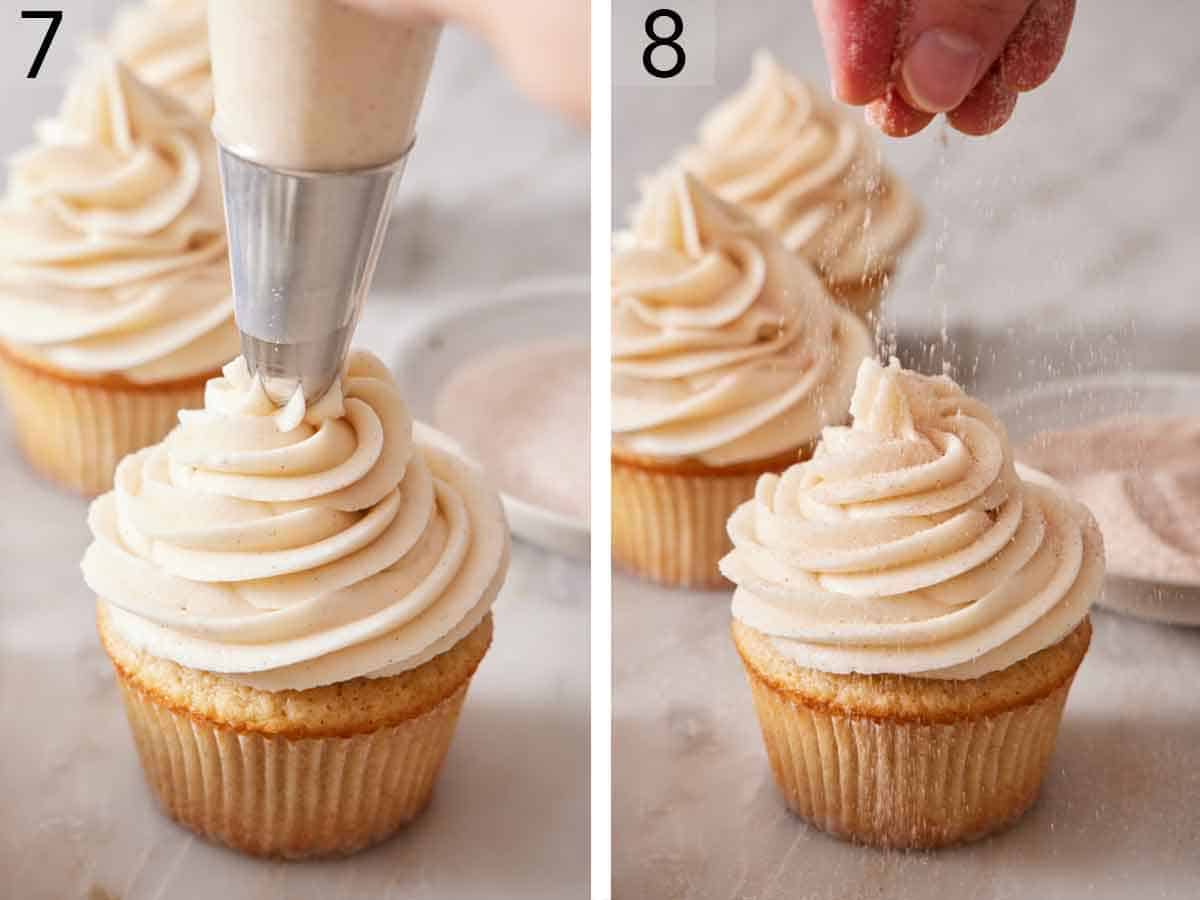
[(1076, 402), (428, 354)]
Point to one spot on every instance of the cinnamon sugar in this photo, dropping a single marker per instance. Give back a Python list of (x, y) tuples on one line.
[(1140, 477), (522, 412)]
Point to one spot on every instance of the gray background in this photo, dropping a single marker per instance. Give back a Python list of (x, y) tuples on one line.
[(1068, 242)]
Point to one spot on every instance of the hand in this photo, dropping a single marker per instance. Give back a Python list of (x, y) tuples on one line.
[(543, 44), (908, 60)]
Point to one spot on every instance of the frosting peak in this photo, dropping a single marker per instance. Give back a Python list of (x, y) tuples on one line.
[(165, 42), (881, 405), (910, 544), (112, 236), (807, 171), (240, 393), (123, 159), (297, 546), (726, 348)]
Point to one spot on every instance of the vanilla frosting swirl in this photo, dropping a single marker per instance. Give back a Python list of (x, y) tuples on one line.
[(910, 544), (808, 171), (112, 237), (295, 547), (726, 348), (165, 43)]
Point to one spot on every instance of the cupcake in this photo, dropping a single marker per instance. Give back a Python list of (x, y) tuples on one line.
[(812, 173), (165, 43), (294, 601), (729, 357), (911, 610), (115, 299)]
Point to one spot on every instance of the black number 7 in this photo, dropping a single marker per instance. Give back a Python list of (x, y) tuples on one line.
[(55, 17)]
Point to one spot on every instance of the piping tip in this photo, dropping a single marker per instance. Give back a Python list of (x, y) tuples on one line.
[(302, 251)]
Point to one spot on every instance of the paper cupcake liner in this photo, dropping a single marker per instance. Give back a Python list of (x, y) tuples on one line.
[(270, 795), (670, 527), (907, 784), (75, 433)]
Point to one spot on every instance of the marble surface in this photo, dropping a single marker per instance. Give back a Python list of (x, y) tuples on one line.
[(1064, 244), (496, 196), (696, 815), (509, 817)]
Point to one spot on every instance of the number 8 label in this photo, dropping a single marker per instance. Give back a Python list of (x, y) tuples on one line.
[(663, 44), (664, 40)]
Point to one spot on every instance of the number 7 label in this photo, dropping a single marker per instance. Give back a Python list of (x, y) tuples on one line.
[(55, 18)]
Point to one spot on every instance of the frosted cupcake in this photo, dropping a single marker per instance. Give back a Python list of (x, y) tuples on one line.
[(911, 610), (165, 43), (295, 601), (811, 172), (115, 300), (728, 359)]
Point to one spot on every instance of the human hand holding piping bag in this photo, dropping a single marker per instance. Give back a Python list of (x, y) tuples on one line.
[(543, 45), (908, 60)]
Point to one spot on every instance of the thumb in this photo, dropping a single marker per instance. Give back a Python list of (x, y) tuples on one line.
[(947, 46)]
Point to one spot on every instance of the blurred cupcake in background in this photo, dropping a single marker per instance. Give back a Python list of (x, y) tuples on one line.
[(165, 43), (115, 299), (729, 357), (811, 172)]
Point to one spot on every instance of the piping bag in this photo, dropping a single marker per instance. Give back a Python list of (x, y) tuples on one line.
[(316, 108)]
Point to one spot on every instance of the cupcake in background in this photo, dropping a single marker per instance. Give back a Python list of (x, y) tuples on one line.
[(295, 601), (115, 299), (729, 357), (812, 173), (165, 43), (911, 610)]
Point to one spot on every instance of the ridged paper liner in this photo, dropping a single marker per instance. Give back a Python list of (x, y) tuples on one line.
[(270, 795), (75, 433), (670, 527), (907, 784)]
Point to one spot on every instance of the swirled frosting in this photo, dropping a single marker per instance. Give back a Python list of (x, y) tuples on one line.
[(112, 237), (808, 171), (726, 348), (295, 547), (910, 544), (165, 43)]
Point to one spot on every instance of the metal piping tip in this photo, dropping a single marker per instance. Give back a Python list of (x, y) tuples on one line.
[(302, 251)]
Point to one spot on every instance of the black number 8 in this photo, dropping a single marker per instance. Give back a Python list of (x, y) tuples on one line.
[(668, 40)]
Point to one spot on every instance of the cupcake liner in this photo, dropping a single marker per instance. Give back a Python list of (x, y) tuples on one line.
[(75, 432), (271, 795), (901, 782), (668, 519), (670, 526)]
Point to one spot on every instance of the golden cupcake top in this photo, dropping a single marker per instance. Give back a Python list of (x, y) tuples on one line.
[(296, 547), (112, 236), (809, 171), (726, 348), (910, 544)]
